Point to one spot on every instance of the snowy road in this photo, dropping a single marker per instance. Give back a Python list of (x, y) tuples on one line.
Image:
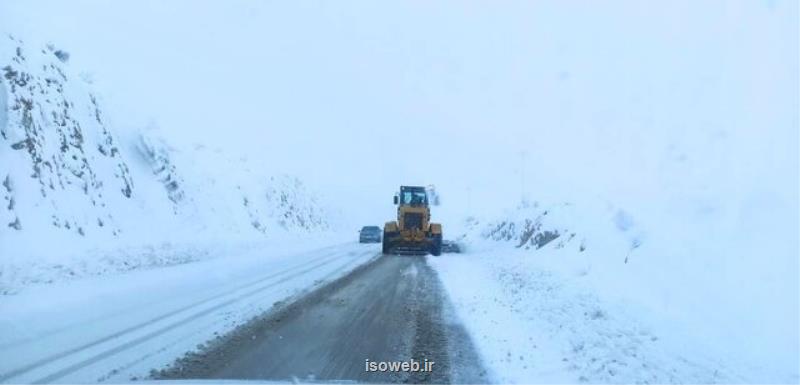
[(118, 328), (319, 314), (393, 309)]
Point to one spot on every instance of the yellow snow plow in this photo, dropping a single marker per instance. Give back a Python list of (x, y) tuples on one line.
[(412, 232)]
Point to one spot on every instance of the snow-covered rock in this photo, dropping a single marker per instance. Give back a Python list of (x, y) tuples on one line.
[(83, 196), (61, 165)]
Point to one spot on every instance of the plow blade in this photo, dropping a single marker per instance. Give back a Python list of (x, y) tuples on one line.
[(408, 249)]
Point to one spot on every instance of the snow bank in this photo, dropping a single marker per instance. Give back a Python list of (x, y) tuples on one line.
[(730, 288), (534, 325)]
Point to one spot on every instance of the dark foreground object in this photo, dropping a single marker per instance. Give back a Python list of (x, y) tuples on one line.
[(392, 309)]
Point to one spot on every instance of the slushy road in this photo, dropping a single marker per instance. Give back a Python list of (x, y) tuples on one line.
[(390, 309)]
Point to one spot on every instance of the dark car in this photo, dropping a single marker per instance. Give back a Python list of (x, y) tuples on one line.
[(370, 234)]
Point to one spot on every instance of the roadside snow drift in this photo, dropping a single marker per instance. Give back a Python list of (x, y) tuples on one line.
[(579, 293)]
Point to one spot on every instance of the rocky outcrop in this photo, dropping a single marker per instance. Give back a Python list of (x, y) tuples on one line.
[(55, 137)]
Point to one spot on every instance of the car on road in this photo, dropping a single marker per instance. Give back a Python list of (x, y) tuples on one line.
[(370, 234)]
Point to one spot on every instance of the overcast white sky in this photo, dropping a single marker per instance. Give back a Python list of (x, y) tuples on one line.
[(617, 99)]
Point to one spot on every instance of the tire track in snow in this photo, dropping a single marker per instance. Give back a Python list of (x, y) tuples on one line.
[(346, 267), (138, 341), (67, 327), (328, 257)]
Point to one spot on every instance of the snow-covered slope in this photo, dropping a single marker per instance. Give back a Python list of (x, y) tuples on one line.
[(714, 284), (73, 181), (61, 165)]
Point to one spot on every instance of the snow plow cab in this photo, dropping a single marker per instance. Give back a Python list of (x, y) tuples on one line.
[(412, 232)]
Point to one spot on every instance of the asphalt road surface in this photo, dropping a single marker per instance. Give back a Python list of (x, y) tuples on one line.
[(391, 309)]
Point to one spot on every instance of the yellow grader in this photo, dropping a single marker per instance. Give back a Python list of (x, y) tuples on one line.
[(412, 232)]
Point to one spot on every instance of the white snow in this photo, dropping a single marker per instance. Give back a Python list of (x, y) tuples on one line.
[(113, 329), (610, 300), (81, 198), (660, 138), (536, 326), (3, 107)]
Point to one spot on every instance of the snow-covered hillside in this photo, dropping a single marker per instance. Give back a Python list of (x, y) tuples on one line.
[(710, 289), (81, 196), (61, 165), (653, 147)]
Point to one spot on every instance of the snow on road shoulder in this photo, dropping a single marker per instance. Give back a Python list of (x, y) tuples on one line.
[(115, 328), (536, 325), (19, 273)]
